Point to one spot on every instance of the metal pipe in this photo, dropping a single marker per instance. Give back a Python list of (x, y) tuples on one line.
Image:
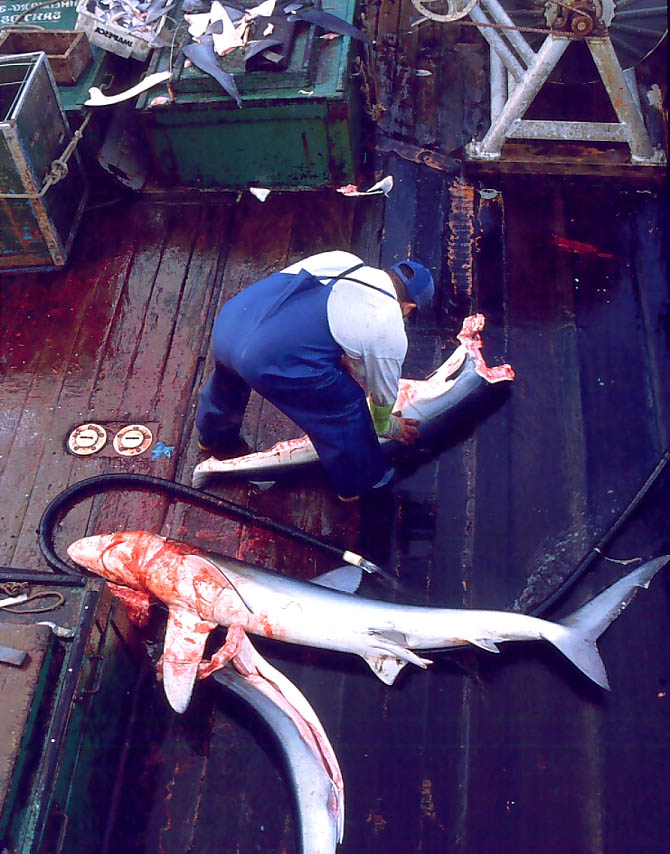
[(562, 130), (515, 38), (497, 84), (631, 80), (535, 77), (619, 92), (498, 44)]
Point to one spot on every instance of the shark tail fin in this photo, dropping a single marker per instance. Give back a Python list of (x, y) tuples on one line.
[(576, 635)]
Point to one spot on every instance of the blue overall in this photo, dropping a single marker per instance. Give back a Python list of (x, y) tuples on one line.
[(274, 337)]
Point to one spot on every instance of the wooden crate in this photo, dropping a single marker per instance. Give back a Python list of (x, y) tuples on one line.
[(68, 51)]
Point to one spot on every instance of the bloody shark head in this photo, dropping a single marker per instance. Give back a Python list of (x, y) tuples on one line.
[(141, 567), (116, 557)]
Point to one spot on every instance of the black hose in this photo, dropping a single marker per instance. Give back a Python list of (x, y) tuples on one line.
[(100, 483), (608, 536)]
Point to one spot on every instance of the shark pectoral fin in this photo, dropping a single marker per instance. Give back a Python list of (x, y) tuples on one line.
[(390, 653), (483, 643), (346, 579), (185, 638), (384, 667)]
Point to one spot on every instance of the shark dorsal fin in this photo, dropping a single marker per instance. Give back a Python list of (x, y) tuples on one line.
[(346, 579)]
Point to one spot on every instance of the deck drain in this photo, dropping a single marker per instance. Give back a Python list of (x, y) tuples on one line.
[(87, 439), (132, 440)]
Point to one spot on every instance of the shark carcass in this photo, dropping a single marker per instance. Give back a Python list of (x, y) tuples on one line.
[(436, 403)]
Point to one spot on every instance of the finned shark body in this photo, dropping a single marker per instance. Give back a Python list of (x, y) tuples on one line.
[(310, 759), (203, 590), (433, 402)]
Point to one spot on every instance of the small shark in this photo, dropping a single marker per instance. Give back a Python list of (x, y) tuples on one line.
[(433, 402), (203, 590)]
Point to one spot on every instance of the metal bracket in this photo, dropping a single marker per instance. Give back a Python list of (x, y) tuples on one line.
[(517, 74)]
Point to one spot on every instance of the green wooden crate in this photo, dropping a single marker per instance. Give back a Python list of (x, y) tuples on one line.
[(38, 220), (61, 798), (297, 128)]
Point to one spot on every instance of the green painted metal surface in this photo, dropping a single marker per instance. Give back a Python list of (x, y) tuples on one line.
[(298, 128), (61, 15), (65, 799)]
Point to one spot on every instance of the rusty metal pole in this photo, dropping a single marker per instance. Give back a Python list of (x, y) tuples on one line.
[(521, 98), (620, 95)]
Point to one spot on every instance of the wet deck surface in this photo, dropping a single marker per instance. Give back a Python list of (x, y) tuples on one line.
[(515, 752)]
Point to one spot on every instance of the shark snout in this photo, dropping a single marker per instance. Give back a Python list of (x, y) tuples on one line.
[(119, 557), (88, 551)]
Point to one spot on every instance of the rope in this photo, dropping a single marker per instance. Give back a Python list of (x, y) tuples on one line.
[(58, 169), (457, 16), (17, 588), (16, 609)]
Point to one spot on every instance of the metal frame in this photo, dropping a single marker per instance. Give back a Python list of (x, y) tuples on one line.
[(517, 74)]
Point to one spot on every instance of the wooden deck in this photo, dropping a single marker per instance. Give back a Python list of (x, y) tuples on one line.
[(482, 753)]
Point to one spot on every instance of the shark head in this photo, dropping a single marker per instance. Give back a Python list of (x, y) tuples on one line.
[(119, 557)]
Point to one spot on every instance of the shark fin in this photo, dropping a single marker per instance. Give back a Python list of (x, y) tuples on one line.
[(346, 579), (483, 643), (384, 667), (576, 635), (185, 638), (389, 654), (263, 485)]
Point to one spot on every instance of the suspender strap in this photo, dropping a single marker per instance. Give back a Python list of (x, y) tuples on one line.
[(344, 276)]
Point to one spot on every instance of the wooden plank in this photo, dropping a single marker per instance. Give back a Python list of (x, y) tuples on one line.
[(556, 158), (622, 428), (400, 119), (160, 338), (529, 459), (166, 760), (60, 382), (128, 382), (256, 246), (648, 221), (306, 500), (386, 47), (22, 688)]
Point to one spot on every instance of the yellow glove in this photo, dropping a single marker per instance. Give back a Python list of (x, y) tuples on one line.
[(381, 417), (390, 426)]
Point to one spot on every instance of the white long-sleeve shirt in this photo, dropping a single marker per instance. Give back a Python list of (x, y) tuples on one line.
[(368, 325)]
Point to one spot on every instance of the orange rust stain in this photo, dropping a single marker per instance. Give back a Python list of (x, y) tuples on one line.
[(377, 820), (461, 235), (428, 804)]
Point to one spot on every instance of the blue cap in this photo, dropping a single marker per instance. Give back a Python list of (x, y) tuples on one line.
[(418, 281)]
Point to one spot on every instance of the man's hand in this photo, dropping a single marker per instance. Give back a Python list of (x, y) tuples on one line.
[(403, 430)]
